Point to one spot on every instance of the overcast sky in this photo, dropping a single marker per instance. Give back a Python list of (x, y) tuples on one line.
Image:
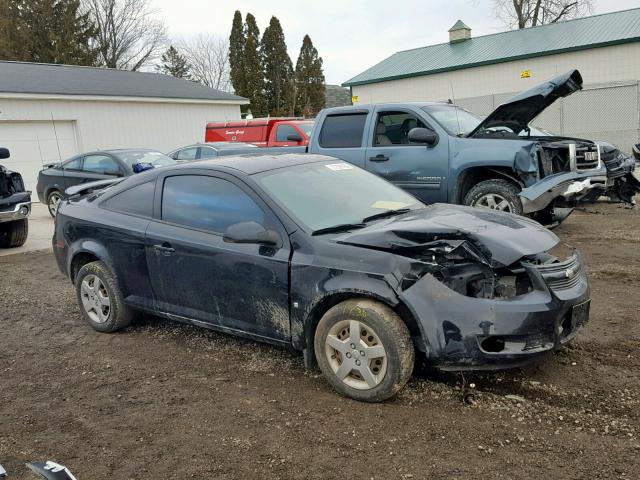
[(350, 35)]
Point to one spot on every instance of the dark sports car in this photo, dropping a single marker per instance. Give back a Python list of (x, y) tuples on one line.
[(55, 178), (316, 254)]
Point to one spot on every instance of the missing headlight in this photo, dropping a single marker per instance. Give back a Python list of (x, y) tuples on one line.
[(480, 281)]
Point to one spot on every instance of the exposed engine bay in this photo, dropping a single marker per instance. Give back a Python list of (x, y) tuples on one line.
[(10, 182)]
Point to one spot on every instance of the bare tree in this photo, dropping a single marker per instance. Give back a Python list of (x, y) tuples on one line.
[(208, 58), (130, 35), (529, 13)]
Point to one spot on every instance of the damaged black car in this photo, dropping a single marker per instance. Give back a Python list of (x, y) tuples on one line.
[(319, 255), (15, 207)]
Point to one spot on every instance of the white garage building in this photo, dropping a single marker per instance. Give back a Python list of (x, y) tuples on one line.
[(50, 112)]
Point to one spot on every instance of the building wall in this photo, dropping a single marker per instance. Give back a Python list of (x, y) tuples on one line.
[(29, 127), (599, 65)]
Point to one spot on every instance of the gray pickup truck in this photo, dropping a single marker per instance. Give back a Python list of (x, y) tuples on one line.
[(440, 152)]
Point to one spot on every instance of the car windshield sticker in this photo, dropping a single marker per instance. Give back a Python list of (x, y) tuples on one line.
[(339, 166)]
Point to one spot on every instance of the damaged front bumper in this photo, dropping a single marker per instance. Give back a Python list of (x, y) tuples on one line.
[(462, 332), (571, 187), (15, 207)]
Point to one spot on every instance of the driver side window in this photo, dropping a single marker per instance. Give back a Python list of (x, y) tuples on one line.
[(392, 128), (207, 203)]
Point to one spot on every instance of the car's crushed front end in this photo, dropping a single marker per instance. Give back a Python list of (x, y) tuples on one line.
[(556, 172), (484, 318), (15, 201), (487, 289)]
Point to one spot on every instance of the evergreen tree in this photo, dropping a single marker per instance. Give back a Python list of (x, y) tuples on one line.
[(253, 71), (278, 71), (174, 64), (310, 88), (236, 55), (50, 31)]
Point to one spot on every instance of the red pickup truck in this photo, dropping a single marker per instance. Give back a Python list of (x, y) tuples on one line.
[(263, 132)]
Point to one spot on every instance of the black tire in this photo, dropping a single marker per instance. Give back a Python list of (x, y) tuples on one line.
[(497, 187), (14, 234), (53, 194), (119, 315), (383, 324)]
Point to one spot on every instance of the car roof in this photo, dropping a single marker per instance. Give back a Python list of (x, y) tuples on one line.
[(254, 163)]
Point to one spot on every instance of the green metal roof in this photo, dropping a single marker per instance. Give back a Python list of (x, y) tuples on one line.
[(579, 34)]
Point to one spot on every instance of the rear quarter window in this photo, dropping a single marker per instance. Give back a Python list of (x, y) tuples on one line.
[(137, 200), (343, 131)]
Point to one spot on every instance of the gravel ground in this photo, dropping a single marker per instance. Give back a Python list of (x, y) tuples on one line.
[(165, 400)]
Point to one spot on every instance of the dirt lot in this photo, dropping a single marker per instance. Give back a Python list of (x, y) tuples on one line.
[(164, 400)]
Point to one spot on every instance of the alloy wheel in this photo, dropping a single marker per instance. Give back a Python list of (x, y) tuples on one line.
[(95, 299), (54, 203), (356, 354), (493, 201)]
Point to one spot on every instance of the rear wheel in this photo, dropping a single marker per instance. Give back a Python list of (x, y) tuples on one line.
[(495, 194), (53, 202), (100, 298), (364, 349), (14, 234)]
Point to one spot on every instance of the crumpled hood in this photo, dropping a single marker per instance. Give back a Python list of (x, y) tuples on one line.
[(502, 238), (520, 110)]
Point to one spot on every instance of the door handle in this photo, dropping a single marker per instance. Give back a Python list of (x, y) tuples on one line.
[(379, 158), (165, 249)]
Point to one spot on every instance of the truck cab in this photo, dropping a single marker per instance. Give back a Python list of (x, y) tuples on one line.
[(262, 132)]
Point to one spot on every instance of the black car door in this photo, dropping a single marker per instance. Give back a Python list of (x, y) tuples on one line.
[(196, 275), (95, 166)]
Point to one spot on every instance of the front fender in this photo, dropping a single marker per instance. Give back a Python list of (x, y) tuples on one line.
[(314, 289)]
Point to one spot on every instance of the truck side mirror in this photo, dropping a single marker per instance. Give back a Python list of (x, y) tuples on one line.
[(425, 136), (294, 138), (4, 153)]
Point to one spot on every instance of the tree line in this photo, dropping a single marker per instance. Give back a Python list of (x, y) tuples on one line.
[(262, 71)]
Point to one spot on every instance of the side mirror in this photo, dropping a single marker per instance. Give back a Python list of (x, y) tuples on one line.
[(423, 135), (141, 167), (294, 138), (251, 232), (4, 153)]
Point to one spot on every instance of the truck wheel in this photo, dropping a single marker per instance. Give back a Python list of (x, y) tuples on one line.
[(100, 298), (496, 194), (364, 350), (53, 201), (14, 234)]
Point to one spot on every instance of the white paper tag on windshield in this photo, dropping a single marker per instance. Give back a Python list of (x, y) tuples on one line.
[(339, 166)]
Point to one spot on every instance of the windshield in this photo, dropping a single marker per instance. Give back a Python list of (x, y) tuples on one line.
[(157, 159), (455, 120), (322, 195), (306, 127)]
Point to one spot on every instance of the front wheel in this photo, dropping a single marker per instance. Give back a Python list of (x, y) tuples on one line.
[(364, 350), (14, 234), (496, 194)]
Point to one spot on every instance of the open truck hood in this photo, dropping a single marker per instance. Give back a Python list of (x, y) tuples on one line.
[(501, 238), (520, 110)]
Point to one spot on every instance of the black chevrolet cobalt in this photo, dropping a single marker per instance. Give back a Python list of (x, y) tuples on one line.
[(316, 254)]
